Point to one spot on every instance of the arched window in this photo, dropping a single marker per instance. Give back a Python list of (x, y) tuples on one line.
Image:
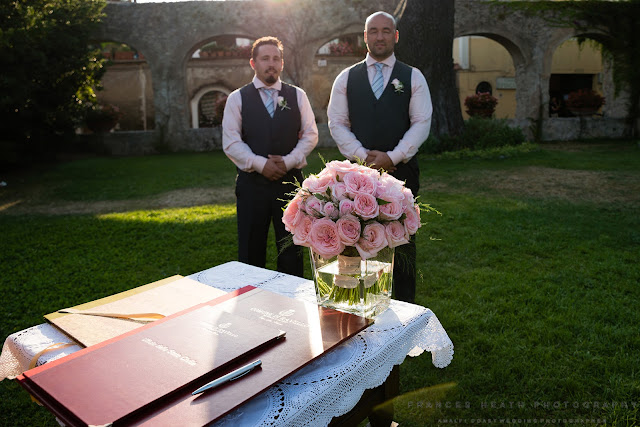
[(208, 114), (346, 45), (206, 106), (484, 87)]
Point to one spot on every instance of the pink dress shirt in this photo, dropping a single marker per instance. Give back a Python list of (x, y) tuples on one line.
[(240, 153), (420, 111)]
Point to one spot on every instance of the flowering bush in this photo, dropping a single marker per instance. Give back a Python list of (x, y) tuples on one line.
[(585, 98), (102, 118), (350, 205), (341, 49), (481, 101)]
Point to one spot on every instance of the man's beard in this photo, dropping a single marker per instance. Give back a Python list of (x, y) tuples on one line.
[(270, 79)]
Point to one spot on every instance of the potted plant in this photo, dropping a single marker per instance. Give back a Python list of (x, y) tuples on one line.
[(102, 118), (340, 49), (584, 102), (482, 104), (210, 50), (244, 51)]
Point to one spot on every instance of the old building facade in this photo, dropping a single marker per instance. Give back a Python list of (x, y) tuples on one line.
[(164, 87)]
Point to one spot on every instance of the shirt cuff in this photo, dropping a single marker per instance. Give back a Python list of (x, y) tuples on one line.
[(291, 163), (396, 156), (362, 153), (258, 162)]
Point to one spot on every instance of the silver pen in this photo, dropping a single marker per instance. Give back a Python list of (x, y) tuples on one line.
[(233, 375)]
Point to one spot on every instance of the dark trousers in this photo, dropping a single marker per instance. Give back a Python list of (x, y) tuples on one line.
[(259, 202), (404, 268)]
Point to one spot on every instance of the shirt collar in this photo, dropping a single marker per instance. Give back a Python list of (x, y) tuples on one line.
[(259, 84), (390, 61)]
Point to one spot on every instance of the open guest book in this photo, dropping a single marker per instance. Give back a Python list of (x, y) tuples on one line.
[(164, 297), (146, 376)]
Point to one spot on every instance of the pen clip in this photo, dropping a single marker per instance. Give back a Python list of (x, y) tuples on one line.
[(241, 374)]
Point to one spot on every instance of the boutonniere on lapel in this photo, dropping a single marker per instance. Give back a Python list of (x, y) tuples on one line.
[(397, 84), (282, 103)]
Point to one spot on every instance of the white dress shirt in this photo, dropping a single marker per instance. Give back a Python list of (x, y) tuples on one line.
[(241, 154), (420, 111)]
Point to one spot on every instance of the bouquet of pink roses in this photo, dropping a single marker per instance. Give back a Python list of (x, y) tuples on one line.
[(351, 205)]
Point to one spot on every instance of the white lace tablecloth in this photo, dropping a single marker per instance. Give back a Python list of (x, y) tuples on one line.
[(330, 386)]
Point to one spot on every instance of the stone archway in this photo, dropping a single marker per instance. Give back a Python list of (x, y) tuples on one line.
[(195, 102), (168, 33)]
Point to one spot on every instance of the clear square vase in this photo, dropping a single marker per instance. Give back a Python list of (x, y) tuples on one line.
[(352, 284)]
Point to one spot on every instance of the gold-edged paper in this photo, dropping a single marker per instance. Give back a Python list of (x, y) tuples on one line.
[(166, 296)]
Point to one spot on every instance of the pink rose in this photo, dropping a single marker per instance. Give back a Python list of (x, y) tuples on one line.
[(409, 200), (360, 183), (389, 188), (338, 191), (302, 230), (324, 238), (341, 168), (346, 207), (292, 213), (396, 234), (318, 183), (372, 241), (412, 221), (349, 229), (392, 210), (331, 210), (365, 206), (375, 173), (314, 206)]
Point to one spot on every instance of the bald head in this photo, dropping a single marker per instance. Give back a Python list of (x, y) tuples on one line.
[(380, 35), (380, 13)]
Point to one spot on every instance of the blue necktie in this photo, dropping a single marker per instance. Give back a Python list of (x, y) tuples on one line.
[(378, 80), (269, 102)]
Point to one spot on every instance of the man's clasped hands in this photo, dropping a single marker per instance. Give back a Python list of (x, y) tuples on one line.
[(275, 168)]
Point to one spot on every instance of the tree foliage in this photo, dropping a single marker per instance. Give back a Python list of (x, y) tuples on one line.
[(613, 24), (48, 72)]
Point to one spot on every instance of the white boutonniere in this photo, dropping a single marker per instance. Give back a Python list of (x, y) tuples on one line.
[(397, 84), (282, 103)]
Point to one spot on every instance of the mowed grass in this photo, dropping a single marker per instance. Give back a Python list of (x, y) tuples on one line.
[(534, 277)]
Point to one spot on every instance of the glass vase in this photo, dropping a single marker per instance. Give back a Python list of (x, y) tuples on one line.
[(352, 284)]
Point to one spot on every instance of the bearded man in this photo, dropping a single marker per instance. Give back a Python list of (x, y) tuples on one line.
[(268, 130)]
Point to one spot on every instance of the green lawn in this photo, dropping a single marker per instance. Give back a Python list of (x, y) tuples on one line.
[(533, 269)]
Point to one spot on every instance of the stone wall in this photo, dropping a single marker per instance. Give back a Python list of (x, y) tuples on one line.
[(167, 34)]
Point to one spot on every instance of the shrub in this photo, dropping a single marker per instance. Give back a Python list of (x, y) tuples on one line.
[(102, 118), (478, 133), (486, 133), (482, 101), (481, 104), (585, 98)]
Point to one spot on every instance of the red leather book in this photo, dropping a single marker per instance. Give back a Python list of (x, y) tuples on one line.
[(109, 382), (310, 331)]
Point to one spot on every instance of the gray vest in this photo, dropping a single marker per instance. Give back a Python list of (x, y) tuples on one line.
[(264, 134), (379, 124)]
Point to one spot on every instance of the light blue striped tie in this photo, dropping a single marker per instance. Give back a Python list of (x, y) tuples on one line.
[(378, 80), (269, 102)]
